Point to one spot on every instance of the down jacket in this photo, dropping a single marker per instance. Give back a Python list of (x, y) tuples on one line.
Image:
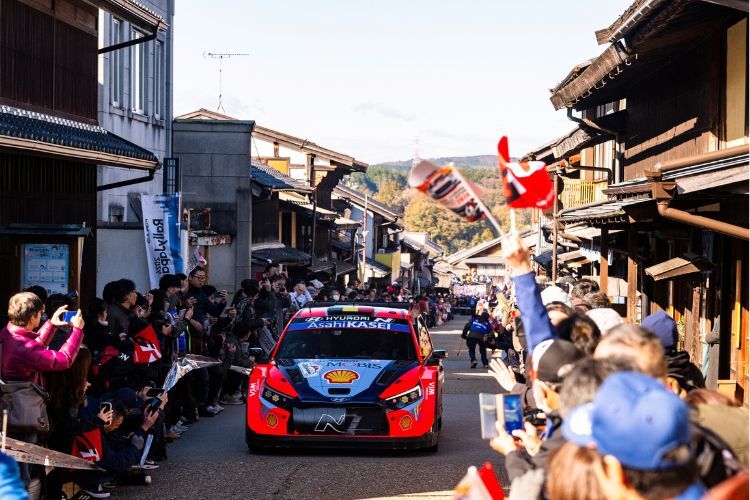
[(25, 354)]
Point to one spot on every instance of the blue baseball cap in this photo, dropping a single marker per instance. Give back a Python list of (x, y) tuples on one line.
[(664, 327), (633, 418)]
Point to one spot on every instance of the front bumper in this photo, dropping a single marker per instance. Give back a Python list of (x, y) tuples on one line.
[(341, 442)]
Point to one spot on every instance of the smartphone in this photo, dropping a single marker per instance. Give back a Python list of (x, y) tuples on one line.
[(503, 408), (181, 314), (153, 404), (154, 392), (281, 268), (68, 316), (106, 407)]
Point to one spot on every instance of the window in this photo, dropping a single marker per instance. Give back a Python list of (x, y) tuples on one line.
[(171, 175), (159, 80), (115, 72), (138, 74)]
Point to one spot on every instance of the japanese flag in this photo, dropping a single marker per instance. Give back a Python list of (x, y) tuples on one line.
[(146, 347), (526, 184), (88, 446)]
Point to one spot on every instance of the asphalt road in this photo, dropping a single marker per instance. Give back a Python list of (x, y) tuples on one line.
[(212, 461)]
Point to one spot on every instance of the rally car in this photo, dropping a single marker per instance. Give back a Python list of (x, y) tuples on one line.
[(348, 376)]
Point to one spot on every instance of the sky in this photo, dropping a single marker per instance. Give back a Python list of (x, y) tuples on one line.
[(368, 77)]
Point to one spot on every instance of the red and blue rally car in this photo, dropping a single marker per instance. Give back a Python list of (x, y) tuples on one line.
[(348, 376)]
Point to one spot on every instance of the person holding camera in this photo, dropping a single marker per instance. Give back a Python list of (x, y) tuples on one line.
[(272, 302)]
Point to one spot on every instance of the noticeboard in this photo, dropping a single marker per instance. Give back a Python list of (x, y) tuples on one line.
[(46, 265)]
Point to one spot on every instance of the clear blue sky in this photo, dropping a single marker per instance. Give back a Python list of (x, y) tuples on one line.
[(367, 77)]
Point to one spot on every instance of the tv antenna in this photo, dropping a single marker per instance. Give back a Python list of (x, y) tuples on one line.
[(221, 57)]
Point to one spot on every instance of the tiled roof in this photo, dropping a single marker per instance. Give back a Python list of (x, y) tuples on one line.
[(271, 178), (374, 205), (24, 124), (282, 255)]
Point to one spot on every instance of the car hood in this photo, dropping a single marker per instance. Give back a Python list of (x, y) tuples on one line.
[(341, 380)]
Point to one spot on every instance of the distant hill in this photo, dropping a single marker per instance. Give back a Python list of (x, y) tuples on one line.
[(479, 161)]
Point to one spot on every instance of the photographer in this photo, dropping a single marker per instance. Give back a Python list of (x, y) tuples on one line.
[(272, 302)]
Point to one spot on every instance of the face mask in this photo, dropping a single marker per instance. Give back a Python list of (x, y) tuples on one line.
[(103, 323), (335, 298)]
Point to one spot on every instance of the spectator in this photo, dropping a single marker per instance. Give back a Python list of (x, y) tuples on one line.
[(642, 433), (96, 333), (679, 366), (598, 300), (605, 318), (582, 288), (26, 355), (119, 313), (571, 474), (300, 296), (552, 360), (558, 312), (581, 330), (636, 346)]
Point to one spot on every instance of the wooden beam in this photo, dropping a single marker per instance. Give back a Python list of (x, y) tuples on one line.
[(604, 261), (632, 276)]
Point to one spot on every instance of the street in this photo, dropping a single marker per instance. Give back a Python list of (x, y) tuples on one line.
[(212, 461)]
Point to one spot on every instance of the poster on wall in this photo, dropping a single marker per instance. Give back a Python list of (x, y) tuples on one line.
[(161, 230), (46, 265)]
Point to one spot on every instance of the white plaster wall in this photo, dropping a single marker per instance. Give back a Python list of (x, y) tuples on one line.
[(121, 253)]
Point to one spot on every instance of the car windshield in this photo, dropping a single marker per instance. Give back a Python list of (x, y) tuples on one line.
[(347, 343)]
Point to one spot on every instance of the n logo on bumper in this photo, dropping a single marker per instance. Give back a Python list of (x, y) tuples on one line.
[(327, 421)]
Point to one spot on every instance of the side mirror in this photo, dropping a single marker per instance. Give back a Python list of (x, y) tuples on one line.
[(435, 357), (259, 354)]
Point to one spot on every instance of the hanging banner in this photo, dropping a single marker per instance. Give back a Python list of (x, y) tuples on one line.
[(161, 230)]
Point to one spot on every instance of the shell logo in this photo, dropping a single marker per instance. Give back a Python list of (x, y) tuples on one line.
[(272, 420), (341, 376), (405, 422)]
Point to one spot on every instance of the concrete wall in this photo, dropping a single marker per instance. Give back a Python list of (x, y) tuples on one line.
[(121, 253), (215, 162), (152, 128)]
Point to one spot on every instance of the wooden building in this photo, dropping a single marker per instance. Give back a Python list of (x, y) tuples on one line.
[(670, 94), (50, 141)]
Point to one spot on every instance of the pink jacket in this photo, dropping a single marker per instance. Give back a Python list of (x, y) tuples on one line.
[(26, 354)]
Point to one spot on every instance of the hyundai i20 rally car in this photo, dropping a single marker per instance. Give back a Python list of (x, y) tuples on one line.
[(348, 376)]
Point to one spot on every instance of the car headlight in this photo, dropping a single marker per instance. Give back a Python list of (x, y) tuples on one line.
[(405, 398), (276, 398)]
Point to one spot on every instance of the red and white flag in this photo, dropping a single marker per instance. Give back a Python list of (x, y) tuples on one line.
[(88, 446), (448, 187), (146, 347), (525, 184)]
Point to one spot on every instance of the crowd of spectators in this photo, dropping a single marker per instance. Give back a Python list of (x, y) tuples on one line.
[(611, 409), (104, 367)]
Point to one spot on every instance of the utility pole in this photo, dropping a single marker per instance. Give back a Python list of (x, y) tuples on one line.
[(365, 232), (221, 57)]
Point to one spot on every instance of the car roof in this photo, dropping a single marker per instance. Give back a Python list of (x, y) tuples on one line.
[(345, 310)]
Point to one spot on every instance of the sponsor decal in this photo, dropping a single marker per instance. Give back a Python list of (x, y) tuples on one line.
[(309, 369), (431, 389), (253, 390), (373, 324), (272, 420), (354, 364), (327, 421), (405, 422), (341, 376), (347, 318)]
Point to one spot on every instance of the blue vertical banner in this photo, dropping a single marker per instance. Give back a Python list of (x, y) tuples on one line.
[(161, 231)]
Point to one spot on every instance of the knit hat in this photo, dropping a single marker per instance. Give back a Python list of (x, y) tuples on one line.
[(605, 318)]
